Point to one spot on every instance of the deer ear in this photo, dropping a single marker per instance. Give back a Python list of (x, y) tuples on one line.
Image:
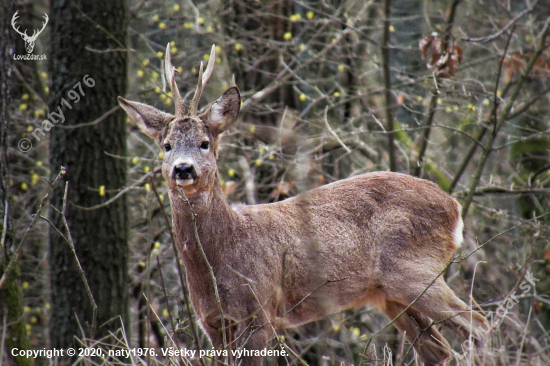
[(151, 121), (224, 112)]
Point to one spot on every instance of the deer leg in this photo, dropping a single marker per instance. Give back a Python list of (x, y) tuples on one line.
[(440, 304), (429, 344)]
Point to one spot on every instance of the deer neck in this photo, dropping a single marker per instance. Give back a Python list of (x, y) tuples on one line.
[(214, 218)]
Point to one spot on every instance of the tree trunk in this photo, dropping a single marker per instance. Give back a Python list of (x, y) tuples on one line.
[(88, 40)]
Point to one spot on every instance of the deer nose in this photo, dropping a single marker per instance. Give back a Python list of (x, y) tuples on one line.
[(184, 171)]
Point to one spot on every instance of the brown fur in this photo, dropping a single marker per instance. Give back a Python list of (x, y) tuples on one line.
[(378, 238)]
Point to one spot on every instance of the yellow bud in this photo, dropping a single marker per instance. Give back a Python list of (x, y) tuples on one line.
[(161, 154), (336, 94), (139, 73), (303, 97), (287, 36), (155, 74), (102, 191), (165, 313), (146, 169), (341, 68), (23, 106), (155, 18), (24, 186), (201, 20), (157, 245), (258, 162), (44, 75), (448, 109), (26, 309), (135, 160), (25, 97), (147, 186), (162, 25), (34, 178), (160, 54), (47, 306), (239, 47), (145, 62), (157, 90), (302, 47), (309, 14), (209, 29), (25, 285), (218, 50), (39, 163), (392, 28), (173, 50), (231, 172), (46, 90), (33, 320), (252, 129), (486, 101), (176, 7)]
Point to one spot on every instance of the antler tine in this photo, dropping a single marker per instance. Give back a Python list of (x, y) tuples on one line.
[(170, 74), (14, 21), (203, 79)]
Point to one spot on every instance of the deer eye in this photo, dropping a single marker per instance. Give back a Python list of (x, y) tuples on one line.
[(167, 147), (205, 145)]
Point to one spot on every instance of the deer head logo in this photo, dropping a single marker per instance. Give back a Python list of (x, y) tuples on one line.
[(29, 41)]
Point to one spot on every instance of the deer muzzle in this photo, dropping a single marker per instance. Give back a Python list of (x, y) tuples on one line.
[(184, 174)]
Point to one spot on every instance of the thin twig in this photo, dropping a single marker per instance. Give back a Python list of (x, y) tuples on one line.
[(501, 31), (205, 258), (94, 122), (499, 121), (183, 283), (69, 239), (177, 343), (387, 85), (432, 107), (43, 204), (334, 133)]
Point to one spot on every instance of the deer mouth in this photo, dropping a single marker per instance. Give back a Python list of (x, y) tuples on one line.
[(185, 182), (184, 174)]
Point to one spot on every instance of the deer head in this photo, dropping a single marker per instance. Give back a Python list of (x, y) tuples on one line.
[(190, 141), (29, 41)]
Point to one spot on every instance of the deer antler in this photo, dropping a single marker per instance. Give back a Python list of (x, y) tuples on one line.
[(203, 79), (36, 33), (13, 21), (170, 73)]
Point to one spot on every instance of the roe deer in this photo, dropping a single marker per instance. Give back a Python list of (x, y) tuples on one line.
[(378, 238)]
